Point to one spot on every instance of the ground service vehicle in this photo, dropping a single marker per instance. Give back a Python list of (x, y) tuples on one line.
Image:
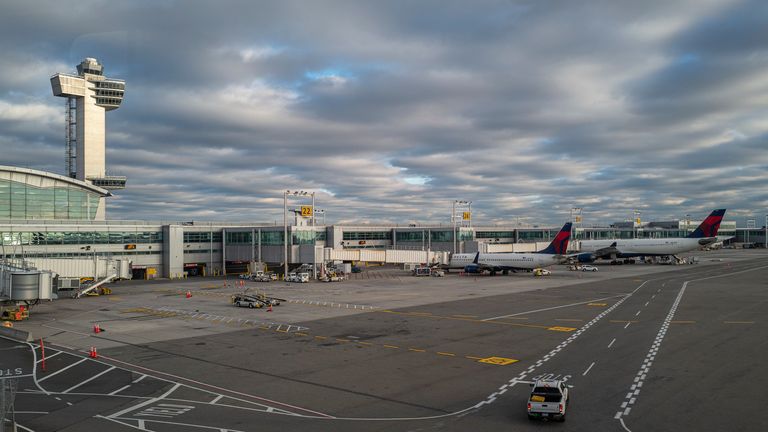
[(549, 399), (541, 272), (242, 300), (588, 268)]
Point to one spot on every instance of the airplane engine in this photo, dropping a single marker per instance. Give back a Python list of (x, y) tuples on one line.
[(586, 257), (473, 268)]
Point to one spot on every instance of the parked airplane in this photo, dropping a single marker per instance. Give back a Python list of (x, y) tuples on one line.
[(512, 261), (705, 234)]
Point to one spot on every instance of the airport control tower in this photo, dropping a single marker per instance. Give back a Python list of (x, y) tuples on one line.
[(89, 95)]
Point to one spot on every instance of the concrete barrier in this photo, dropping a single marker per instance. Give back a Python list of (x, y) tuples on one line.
[(18, 335)]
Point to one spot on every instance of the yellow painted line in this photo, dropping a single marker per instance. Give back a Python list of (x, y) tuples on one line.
[(342, 340), (115, 298), (597, 304), (419, 313), (364, 343), (473, 357), (464, 316), (392, 346), (416, 350), (473, 320), (561, 329), (501, 361), (513, 318), (682, 322), (320, 337), (446, 354), (264, 327), (568, 319), (300, 334), (738, 322)]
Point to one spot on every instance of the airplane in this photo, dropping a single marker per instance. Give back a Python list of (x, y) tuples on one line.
[(513, 261), (705, 234)]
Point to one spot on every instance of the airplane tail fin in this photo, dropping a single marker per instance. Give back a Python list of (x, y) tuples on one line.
[(560, 244), (709, 227)]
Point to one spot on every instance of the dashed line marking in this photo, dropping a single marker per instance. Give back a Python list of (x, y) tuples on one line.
[(628, 323), (738, 322), (611, 344), (445, 354), (391, 346), (588, 369), (416, 350)]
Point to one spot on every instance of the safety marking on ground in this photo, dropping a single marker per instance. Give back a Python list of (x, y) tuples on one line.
[(464, 316), (474, 320), (597, 304), (561, 329), (642, 374), (623, 321), (525, 373), (218, 319), (502, 361), (738, 322), (331, 304), (682, 322)]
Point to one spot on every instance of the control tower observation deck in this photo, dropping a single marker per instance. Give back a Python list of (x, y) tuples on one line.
[(89, 96)]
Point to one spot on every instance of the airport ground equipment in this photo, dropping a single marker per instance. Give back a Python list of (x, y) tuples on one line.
[(422, 271), (96, 288), (255, 300), (549, 400), (541, 272)]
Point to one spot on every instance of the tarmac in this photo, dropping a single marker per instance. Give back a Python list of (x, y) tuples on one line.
[(642, 347)]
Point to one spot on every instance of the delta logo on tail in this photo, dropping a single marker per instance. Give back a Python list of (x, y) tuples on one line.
[(560, 244), (710, 226)]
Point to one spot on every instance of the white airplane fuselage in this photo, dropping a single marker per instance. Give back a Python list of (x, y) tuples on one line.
[(505, 260), (644, 247)]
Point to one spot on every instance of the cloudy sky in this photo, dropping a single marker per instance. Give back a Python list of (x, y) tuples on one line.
[(390, 110)]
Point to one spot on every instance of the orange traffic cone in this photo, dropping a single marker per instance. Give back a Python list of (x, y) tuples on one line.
[(93, 353), (189, 294), (269, 309), (96, 329)]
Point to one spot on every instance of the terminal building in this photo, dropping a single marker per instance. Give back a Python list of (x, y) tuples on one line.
[(58, 222)]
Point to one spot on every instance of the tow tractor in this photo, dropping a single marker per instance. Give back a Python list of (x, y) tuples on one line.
[(255, 300)]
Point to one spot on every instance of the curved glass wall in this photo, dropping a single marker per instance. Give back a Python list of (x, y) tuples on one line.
[(24, 201)]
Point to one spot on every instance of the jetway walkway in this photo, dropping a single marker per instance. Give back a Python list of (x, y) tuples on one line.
[(387, 256)]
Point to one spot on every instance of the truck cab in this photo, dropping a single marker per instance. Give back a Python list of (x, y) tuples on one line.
[(549, 399)]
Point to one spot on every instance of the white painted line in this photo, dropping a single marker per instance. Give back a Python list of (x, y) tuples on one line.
[(119, 390), (611, 344), (638, 313), (88, 380), (646, 303), (216, 399), (23, 427), (139, 379), (50, 356), (61, 370), (588, 369), (551, 308), (627, 324)]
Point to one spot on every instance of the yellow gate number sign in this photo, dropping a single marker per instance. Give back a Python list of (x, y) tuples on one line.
[(306, 210), (466, 216)]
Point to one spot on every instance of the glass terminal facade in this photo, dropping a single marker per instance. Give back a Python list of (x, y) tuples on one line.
[(19, 200)]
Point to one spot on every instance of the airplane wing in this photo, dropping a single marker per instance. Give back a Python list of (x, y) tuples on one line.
[(607, 251)]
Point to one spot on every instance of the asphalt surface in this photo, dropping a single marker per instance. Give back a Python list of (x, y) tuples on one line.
[(680, 348)]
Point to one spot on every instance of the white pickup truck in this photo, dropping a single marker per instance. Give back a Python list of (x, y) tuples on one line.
[(549, 399)]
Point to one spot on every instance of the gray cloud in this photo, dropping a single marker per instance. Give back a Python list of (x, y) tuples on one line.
[(393, 109)]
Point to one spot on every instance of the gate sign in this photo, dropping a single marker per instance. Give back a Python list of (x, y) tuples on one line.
[(466, 216), (578, 219), (306, 211)]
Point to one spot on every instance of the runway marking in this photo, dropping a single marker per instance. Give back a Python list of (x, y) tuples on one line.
[(61, 370), (391, 346), (682, 322), (597, 304), (445, 354), (502, 361), (588, 369), (646, 303), (561, 329), (628, 323), (89, 380), (479, 321), (119, 390), (553, 307), (216, 399), (738, 322), (638, 313), (611, 344)]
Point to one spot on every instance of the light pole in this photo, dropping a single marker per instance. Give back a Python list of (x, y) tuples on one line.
[(765, 239), (468, 204), (285, 222)]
